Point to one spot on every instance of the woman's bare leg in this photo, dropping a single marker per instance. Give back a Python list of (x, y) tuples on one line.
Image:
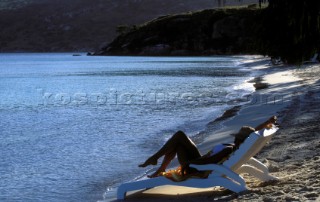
[(170, 147), (166, 161)]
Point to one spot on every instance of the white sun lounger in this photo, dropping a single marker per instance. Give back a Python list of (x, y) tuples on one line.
[(225, 175)]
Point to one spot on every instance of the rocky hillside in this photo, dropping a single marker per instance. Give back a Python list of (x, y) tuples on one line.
[(79, 25), (286, 30), (220, 31)]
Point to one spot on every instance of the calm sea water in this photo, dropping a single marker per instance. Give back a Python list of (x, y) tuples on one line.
[(73, 128)]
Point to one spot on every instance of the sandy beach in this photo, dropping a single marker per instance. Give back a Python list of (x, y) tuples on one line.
[(291, 93)]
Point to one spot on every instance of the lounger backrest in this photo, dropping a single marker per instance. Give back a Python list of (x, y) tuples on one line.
[(250, 147)]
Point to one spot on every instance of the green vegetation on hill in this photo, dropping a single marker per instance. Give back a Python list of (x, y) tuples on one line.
[(77, 25), (286, 29), (289, 30), (207, 32), (13, 4)]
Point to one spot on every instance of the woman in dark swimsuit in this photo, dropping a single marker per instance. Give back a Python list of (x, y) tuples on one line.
[(187, 152)]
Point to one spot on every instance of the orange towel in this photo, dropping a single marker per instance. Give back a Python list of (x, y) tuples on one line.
[(176, 175)]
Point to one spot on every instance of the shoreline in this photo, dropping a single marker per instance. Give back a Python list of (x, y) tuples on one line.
[(286, 86), (217, 124), (258, 84), (293, 154)]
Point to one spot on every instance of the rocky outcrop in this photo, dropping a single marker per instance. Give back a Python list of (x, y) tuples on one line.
[(220, 31)]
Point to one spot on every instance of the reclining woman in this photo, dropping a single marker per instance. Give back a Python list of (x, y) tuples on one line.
[(187, 152)]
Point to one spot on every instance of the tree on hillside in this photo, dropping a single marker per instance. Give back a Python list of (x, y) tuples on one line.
[(223, 2), (291, 30)]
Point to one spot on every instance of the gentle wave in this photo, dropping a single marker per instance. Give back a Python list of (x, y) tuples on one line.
[(194, 72), (198, 72)]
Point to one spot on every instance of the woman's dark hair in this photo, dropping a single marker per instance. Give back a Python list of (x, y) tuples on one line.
[(243, 133)]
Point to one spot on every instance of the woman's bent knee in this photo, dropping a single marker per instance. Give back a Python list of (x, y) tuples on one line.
[(180, 134)]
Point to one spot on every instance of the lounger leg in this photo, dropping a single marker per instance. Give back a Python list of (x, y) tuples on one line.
[(256, 163), (256, 169), (121, 194)]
